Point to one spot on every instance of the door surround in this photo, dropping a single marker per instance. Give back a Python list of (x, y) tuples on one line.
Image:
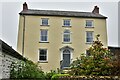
[(66, 48)]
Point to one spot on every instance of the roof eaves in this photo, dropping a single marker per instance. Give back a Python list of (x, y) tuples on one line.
[(63, 15)]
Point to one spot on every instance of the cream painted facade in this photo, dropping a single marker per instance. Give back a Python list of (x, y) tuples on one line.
[(78, 45)]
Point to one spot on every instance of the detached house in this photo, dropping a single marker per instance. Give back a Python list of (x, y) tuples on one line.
[(55, 38)]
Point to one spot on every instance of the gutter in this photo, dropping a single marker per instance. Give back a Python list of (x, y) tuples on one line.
[(63, 15)]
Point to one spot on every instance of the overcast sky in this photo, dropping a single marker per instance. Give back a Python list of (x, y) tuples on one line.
[(9, 16)]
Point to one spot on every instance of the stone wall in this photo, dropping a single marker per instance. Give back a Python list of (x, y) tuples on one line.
[(7, 56), (6, 62), (0, 64)]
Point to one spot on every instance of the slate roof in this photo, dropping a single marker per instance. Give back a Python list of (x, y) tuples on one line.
[(4, 47), (62, 13)]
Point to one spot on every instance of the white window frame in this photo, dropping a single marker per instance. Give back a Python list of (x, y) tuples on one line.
[(91, 22), (44, 19), (67, 20), (46, 55), (92, 36), (41, 35), (67, 33)]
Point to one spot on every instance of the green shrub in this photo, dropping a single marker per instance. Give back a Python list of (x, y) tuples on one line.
[(56, 76), (26, 70), (50, 74)]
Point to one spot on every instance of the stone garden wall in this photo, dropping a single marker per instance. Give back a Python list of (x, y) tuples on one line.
[(7, 56)]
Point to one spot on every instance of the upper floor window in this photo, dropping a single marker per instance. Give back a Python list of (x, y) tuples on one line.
[(89, 36), (66, 22), (44, 35), (44, 21), (89, 23), (42, 55), (66, 36)]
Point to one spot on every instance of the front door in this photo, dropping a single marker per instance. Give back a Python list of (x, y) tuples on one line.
[(66, 59)]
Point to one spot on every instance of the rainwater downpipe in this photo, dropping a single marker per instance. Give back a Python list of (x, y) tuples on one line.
[(23, 39)]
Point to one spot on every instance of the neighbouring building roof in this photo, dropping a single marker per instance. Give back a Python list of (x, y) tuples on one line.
[(62, 13), (115, 50), (111, 47), (4, 47)]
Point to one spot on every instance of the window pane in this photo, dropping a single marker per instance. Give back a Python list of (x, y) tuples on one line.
[(66, 51), (66, 22), (89, 36), (43, 32), (66, 40), (89, 40), (89, 23), (66, 37), (42, 57), (44, 21), (44, 36), (43, 54)]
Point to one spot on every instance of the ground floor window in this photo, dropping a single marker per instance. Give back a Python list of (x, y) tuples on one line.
[(42, 54)]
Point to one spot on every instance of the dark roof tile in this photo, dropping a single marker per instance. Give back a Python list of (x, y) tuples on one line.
[(62, 13)]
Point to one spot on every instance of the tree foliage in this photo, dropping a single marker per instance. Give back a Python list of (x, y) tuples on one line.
[(98, 63), (26, 70)]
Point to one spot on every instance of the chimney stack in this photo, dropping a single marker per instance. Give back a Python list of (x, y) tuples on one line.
[(25, 7), (96, 10)]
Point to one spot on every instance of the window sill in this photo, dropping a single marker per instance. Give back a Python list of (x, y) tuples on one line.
[(89, 27), (66, 42), (66, 26), (66, 67), (43, 42), (45, 25), (42, 61), (89, 42)]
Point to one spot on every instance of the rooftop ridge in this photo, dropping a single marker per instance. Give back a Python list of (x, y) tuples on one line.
[(61, 13), (93, 14)]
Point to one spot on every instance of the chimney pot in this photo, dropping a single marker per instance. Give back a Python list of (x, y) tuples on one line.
[(25, 7), (96, 10)]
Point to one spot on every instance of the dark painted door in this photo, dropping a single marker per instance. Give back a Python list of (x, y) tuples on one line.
[(66, 59)]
